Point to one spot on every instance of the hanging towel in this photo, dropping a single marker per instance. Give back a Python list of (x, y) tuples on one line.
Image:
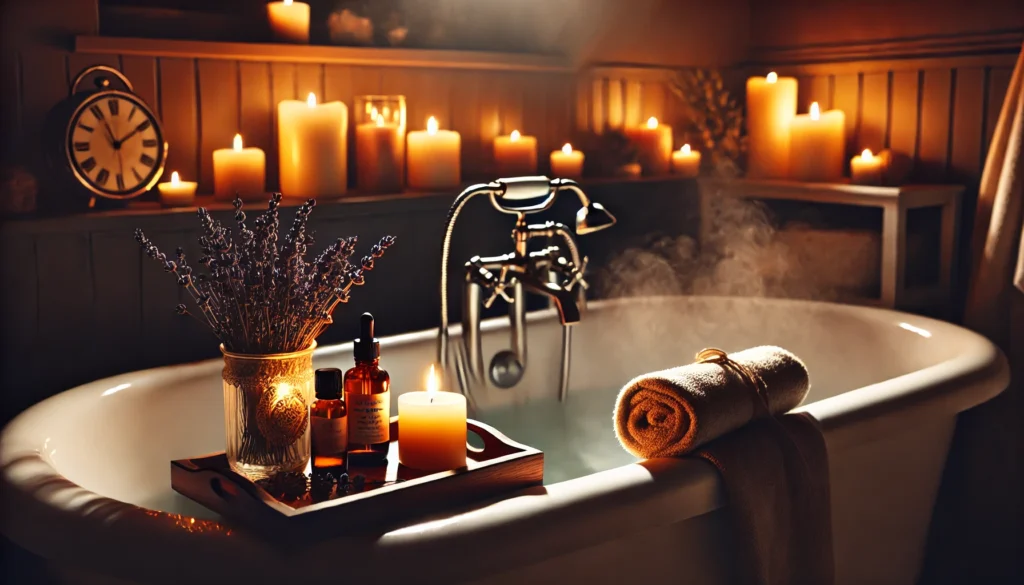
[(774, 470)]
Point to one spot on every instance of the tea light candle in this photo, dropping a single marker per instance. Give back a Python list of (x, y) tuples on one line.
[(432, 428), (434, 157), (771, 106), (567, 163), (515, 155), (817, 145), (379, 151), (177, 193), (653, 142), (313, 148), (239, 170), (289, 21), (686, 162), (866, 169)]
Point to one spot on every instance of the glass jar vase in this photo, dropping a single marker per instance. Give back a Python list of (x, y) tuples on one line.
[(380, 143), (266, 411)]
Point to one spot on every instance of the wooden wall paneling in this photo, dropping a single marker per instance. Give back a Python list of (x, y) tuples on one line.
[(583, 102), (282, 87), (180, 116), (309, 77), (10, 104), (78, 62), (874, 119), (489, 94), (654, 97), (846, 97), (466, 117), (935, 107), (535, 117), (256, 112), (597, 104), (219, 113), (998, 82), (615, 104), (338, 84), (67, 323), (118, 302), (968, 124), (44, 76), (19, 313), (904, 107), (160, 294), (142, 72), (513, 89), (558, 110), (635, 103)]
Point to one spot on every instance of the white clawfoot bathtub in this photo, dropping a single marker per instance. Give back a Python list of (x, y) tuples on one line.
[(86, 480)]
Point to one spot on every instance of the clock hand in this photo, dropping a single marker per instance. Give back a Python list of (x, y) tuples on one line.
[(127, 136), (110, 135)]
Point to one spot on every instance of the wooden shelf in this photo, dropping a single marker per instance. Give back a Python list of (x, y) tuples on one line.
[(387, 57), (838, 193)]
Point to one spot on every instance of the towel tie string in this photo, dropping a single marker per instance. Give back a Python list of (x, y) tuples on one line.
[(713, 355)]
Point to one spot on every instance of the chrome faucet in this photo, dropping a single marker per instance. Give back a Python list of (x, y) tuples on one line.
[(556, 272)]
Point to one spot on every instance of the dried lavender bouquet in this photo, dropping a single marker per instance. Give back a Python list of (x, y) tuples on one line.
[(259, 299)]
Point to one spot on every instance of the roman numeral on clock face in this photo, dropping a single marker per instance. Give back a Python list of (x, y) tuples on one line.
[(120, 182), (86, 128), (138, 177), (82, 146), (147, 160), (114, 106), (96, 111), (102, 176), (132, 112), (89, 164), (149, 142), (143, 126)]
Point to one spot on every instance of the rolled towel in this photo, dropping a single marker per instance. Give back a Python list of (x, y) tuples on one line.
[(672, 412)]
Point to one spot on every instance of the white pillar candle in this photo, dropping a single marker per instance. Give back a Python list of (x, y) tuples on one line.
[(177, 193), (434, 158), (379, 151), (515, 155), (866, 169), (771, 105), (817, 145), (686, 162), (239, 170), (432, 428), (289, 21), (567, 163), (312, 143), (653, 142)]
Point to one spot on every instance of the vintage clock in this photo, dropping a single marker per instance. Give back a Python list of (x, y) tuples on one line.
[(113, 143)]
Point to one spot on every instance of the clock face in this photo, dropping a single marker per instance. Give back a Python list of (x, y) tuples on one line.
[(115, 145)]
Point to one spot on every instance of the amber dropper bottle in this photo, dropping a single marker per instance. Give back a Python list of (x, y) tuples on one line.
[(368, 398), (328, 422)]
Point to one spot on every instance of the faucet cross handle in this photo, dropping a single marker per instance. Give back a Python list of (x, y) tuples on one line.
[(498, 290)]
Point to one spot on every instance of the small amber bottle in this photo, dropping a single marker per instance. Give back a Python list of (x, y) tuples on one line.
[(328, 422), (368, 397)]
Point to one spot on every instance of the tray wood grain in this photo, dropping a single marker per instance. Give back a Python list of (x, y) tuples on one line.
[(403, 494)]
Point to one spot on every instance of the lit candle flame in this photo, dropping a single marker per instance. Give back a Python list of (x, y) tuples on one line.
[(866, 155), (287, 2), (815, 111), (311, 100), (432, 383), (772, 77), (237, 144), (514, 137), (175, 179), (380, 121), (432, 126), (652, 122), (685, 149), (387, 112), (567, 149), (374, 114)]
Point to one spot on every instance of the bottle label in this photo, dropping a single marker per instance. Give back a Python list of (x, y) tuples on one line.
[(328, 436), (369, 418)]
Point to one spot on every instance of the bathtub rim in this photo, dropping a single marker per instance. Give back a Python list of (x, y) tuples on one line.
[(36, 498)]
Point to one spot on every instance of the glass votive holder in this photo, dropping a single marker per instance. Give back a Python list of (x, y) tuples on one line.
[(380, 143)]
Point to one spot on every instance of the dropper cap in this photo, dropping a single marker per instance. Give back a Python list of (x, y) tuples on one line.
[(328, 383), (366, 346)]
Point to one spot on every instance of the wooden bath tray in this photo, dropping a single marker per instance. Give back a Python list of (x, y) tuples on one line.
[(388, 495)]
